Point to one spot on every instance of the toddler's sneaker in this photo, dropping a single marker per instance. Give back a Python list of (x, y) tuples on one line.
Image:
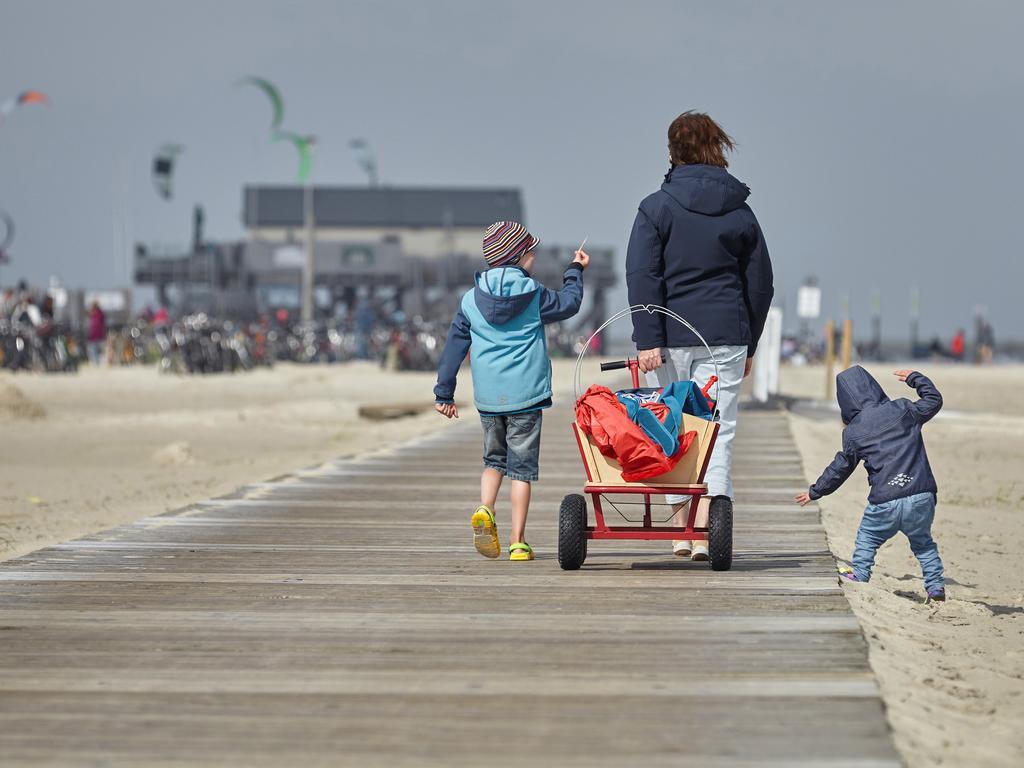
[(700, 552), (846, 574), (936, 596)]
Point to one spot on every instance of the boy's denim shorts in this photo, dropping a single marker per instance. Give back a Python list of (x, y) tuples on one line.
[(512, 444)]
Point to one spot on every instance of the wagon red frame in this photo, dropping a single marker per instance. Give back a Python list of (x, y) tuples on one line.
[(595, 489), (604, 478)]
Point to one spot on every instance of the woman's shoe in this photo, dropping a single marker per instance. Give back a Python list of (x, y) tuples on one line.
[(682, 548), (485, 532), (700, 552), (520, 551)]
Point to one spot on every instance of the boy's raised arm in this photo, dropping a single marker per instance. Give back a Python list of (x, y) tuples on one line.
[(930, 402), (563, 304), (456, 347), (835, 474)]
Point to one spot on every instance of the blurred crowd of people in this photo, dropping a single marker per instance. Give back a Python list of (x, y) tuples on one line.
[(35, 337), (807, 349), (959, 349), (31, 338)]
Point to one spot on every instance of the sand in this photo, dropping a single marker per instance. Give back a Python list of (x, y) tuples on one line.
[(952, 675), (85, 452)]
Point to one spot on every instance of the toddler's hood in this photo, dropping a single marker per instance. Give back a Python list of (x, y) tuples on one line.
[(856, 389)]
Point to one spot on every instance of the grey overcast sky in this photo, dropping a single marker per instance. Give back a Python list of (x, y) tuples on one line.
[(881, 140)]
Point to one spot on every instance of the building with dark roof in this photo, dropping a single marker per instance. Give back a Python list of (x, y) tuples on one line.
[(415, 247), (425, 221)]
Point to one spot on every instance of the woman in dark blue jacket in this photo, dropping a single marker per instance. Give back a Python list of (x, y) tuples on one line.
[(697, 249)]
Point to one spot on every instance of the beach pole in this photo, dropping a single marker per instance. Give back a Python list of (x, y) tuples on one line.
[(309, 260), (915, 314), (830, 356), (847, 343), (876, 324)]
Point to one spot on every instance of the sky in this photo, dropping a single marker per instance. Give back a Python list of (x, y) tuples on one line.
[(881, 140)]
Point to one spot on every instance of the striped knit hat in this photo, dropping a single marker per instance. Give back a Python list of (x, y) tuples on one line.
[(505, 242)]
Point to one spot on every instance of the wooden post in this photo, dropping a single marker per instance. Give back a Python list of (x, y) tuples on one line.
[(915, 314), (847, 343), (830, 356)]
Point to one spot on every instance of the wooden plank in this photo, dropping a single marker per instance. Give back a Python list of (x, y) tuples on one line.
[(341, 616)]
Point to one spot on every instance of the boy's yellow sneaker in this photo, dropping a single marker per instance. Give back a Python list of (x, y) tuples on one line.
[(520, 551), (485, 532)]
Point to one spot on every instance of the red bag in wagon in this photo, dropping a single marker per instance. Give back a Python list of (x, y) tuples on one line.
[(600, 415)]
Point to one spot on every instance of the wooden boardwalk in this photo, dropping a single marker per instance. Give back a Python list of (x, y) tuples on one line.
[(340, 616)]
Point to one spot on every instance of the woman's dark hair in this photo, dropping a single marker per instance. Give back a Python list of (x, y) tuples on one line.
[(694, 138)]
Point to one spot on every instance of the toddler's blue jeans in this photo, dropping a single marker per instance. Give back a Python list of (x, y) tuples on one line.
[(913, 517)]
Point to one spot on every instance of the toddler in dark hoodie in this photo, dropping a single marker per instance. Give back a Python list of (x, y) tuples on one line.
[(886, 435)]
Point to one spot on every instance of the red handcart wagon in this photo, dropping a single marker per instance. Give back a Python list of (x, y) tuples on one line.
[(604, 479)]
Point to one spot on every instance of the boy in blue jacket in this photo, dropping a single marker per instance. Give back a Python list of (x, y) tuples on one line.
[(500, 323), (886, 435)]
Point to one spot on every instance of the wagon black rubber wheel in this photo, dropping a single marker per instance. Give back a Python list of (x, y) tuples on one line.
[(720, 533), (572, 539)]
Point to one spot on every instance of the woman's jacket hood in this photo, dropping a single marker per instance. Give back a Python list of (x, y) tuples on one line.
[(856, 389), (705, 189), (697, 249)]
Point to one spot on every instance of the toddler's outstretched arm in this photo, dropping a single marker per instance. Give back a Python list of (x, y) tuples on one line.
[(930, 402), (835, 475)]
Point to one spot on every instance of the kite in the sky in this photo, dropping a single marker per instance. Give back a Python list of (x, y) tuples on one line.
[(272, 93), (304, 146), (163, 169), (365, 158), (25, 97), (5, 217)]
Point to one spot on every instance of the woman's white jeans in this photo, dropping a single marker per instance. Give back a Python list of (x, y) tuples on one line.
[(682, 363)]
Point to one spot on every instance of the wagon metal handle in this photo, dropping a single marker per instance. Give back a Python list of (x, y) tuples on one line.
[(650, 309)]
